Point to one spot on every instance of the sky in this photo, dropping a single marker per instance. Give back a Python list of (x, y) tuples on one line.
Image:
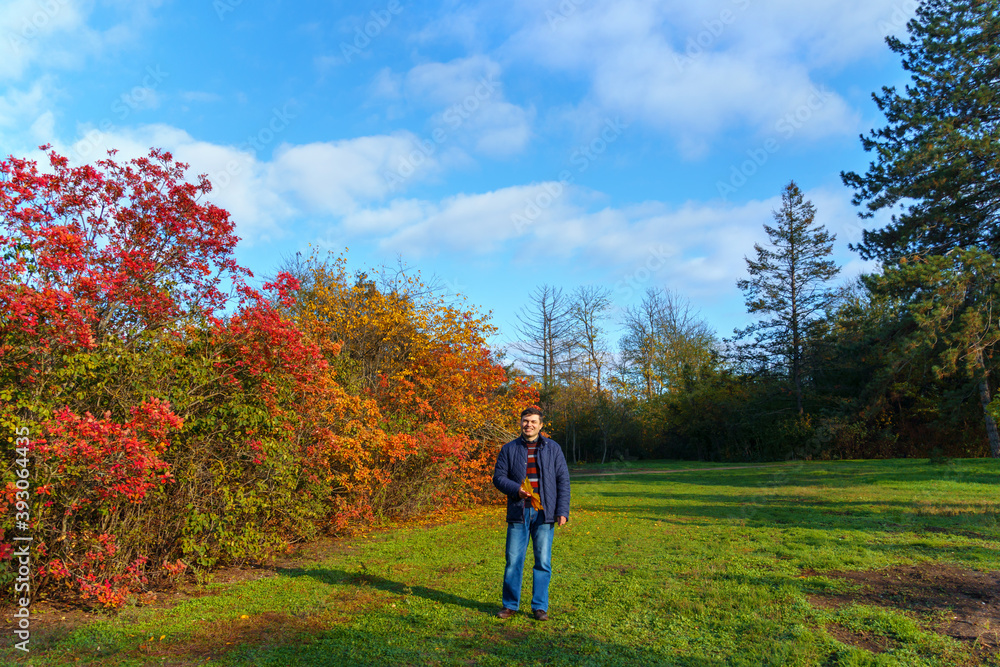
[(496, 146)]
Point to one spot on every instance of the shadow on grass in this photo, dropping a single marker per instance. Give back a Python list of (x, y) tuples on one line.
[(376, 637), (370, 634), (828, 474), (328, 576), (789, 509), (968, 536), (479, 639), (499, 644), (776, 499)]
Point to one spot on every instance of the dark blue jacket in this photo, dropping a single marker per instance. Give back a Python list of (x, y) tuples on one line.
[(553, 478)]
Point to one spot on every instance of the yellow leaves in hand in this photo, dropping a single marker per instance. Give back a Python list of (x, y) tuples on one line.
[(536, 502)]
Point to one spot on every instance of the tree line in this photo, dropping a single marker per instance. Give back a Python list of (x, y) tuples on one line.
[(823, 373), (897, 363)]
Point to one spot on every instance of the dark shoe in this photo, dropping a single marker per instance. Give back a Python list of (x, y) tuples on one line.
[(505, 613), (540, 615)]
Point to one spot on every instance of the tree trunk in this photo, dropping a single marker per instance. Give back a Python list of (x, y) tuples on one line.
[(984, 398), (991, 425), (798, 391), (796, 340)]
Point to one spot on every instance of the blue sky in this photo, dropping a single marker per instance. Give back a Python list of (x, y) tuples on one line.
[(497, 146)]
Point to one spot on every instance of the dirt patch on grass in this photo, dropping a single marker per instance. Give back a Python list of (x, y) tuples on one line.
[(54, 618), (209, 640), (954, 601), (213, 639), (49, 623), (868, 641)]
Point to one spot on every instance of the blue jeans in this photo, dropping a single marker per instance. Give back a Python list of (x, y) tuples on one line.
[(541, 533)]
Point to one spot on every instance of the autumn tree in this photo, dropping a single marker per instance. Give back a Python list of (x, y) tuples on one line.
[(162, 427), (175, 424), (106, 250), (423, 359), (937, 169), (788, 281)]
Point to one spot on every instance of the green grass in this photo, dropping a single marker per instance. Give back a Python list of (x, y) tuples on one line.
[(699, 568)]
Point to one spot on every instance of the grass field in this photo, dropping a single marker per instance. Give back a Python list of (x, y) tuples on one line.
[(841, 563)]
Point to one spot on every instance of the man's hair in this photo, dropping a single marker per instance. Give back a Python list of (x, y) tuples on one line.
[(533, 410)]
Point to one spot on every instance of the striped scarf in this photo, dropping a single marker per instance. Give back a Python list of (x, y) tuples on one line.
[(533, 466)]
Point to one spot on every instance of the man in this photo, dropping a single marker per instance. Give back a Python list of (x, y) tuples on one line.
[(541, 460)]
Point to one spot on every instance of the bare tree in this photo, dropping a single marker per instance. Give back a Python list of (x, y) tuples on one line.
[(665, 340), (547, 349), (546, 336), (589, 312)]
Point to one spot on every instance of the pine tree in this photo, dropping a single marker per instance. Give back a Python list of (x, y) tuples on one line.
[(788, 280), (938, 158), (937, 168)]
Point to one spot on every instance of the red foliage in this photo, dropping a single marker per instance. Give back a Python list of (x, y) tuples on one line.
[(106, 250), (103, 252), (90, 468), (97, 460)]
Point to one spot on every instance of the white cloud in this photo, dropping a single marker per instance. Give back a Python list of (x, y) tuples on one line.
[(54, 34), (331, 177), (28, 29), (824, 32), (700, 246), (463, 23), (141, 98), (19, 106), (26, 119), (43, 129), (386, 84), (696, 248), (502, 129), (322, 179), (465, 223), (449, 83), (382, 222), (473, 112), (697, 69)]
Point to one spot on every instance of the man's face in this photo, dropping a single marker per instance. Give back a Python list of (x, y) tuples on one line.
[(530, 426)]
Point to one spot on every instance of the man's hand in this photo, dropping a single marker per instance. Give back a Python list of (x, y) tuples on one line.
[(561, 521), (522, 494)]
